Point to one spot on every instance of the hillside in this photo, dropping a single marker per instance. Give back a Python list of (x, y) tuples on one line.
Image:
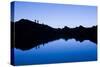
[(28, 34)]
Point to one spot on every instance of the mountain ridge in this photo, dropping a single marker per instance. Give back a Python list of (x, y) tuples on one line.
[(35, 22), (26, 34)]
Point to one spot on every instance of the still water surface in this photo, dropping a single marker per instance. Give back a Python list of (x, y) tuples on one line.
[(57, 51)]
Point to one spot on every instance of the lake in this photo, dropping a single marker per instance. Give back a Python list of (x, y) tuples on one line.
[(57, 51)]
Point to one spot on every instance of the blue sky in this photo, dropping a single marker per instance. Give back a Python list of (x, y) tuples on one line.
[(56, 15)]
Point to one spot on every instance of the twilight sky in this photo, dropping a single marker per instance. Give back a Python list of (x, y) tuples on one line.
[(56, 15)]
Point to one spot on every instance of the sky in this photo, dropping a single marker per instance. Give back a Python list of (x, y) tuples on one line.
[(56, 15)]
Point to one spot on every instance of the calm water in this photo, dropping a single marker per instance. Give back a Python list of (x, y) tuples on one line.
[(58, 51)]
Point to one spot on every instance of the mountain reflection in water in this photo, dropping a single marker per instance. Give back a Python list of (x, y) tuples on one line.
[(57, 51), (26, 34), (61, 44)]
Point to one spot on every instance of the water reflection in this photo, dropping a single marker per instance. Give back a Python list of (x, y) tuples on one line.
[(27, 36), (57, 51), (27, 44)]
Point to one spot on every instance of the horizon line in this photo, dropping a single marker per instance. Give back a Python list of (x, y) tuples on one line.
[(52, 26)]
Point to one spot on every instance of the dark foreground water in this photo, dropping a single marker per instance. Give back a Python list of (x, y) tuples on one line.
[(57, 51)]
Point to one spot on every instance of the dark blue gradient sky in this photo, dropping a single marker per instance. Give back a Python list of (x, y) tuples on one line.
[(56, 15)]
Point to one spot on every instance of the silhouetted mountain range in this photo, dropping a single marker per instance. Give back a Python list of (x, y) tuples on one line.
[(26, 34)]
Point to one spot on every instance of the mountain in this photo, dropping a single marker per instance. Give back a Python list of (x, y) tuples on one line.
[(26, 34)]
